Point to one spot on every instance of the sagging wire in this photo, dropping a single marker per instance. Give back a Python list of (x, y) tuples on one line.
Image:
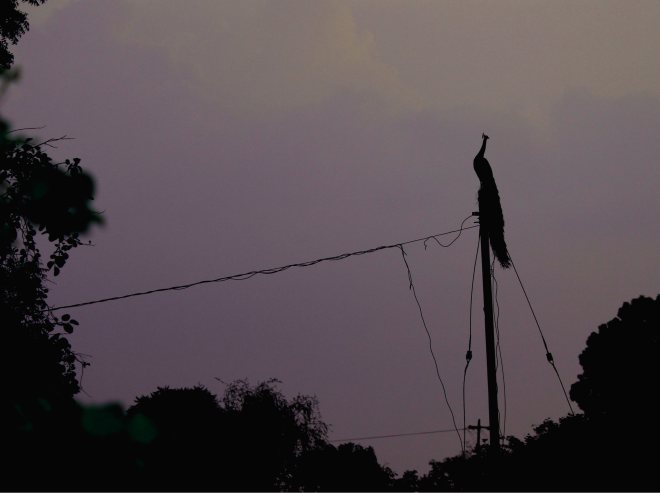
[(548, 355), (411, 286), (388, 436), (250, 274), (434, 237), (468, 354), (499, 361)]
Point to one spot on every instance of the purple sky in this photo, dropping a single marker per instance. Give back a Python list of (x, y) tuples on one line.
[(239, 135)]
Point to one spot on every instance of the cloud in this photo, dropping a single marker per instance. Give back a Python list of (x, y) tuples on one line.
[(516, 56), (258, 58)]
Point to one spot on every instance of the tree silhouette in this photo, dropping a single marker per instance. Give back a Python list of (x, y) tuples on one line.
[(188, 424), (619, 390), (13, 24), (270, 432), (38, 198), (602, 449), (621, 365), (348, 467), (44, 205), (250, 440)]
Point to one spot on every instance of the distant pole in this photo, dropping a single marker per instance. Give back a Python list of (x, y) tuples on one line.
[(478, 428), (493, 414), (478, 434)]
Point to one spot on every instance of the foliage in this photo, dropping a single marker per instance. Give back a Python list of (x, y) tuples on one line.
[(43, 205), (255, 439), (38, 196), (621, 367), (75, 447), (600, 450), (187, 434), (348, 467), (13, 24), (263, 409), (251, 439)]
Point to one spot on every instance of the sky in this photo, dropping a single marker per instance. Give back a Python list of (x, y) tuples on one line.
[(227, 136)]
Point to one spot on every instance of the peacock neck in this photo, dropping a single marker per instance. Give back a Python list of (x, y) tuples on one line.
[(483, 148)]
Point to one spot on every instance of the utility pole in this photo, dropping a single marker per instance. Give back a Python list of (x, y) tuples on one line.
[(493, 413), (478, 428)]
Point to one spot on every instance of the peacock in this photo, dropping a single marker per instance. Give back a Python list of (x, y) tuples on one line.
[(490, 209)]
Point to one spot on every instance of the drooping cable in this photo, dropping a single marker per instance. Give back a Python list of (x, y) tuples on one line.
[(499, 361), (468, 354), (548, 355), (453, 240), (428, 333), (250, 274), (387, 436)]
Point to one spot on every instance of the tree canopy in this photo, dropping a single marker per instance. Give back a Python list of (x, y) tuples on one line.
[(44, 207), (620, 367), (13, 24), (38, 198), (600, 449), (222, 444)]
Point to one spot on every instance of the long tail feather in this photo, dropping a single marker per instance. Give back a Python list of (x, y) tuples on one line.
[(492, 217)]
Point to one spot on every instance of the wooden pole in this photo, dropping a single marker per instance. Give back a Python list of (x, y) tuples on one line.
[(493, 413)]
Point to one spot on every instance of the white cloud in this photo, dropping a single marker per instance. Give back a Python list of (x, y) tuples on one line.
[(260, 57), (517, 56)]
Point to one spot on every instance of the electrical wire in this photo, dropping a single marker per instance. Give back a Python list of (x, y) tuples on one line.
[(387, 436), (428, 333), (250, 274), (468, 354), (499, 361), (548, 355), (453, 240)]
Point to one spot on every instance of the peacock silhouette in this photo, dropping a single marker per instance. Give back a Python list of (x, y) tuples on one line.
[(490, 209)]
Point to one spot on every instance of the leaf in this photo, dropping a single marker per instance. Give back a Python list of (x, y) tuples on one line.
[(141, 429), (102, 420), (66, 317)]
